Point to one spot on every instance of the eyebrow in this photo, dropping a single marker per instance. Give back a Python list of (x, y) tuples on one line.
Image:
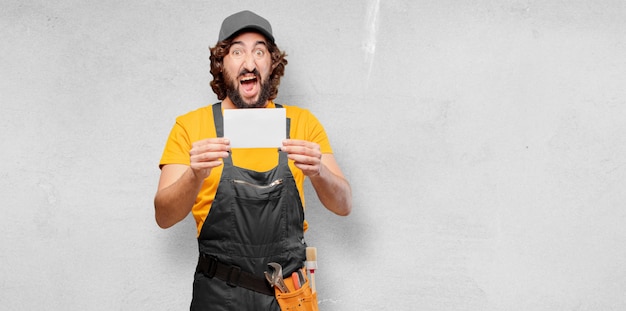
[(255, 44)]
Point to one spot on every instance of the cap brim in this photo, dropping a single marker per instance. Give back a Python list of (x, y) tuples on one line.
[(246, 28)]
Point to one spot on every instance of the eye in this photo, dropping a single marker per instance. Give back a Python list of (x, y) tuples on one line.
[(259, 53), (236, 53)]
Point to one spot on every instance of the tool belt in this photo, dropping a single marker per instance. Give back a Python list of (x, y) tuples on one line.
[(232, 275), (302, 299)]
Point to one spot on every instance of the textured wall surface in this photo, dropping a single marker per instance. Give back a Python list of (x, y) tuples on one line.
[(485, 144)]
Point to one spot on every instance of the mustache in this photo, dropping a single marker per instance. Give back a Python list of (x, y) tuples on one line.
[(246, 71)]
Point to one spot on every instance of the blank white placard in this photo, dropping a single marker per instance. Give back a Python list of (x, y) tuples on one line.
[(255, 127)]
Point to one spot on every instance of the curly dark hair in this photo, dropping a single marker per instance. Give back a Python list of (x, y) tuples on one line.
[(221, 49)]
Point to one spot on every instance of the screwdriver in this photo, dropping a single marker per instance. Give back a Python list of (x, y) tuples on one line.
[(296, 280)]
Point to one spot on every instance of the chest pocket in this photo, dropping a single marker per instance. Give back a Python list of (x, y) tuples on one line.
[(258, 215)]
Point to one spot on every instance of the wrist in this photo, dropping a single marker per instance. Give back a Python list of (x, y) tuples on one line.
[(196, 177), (317, 174)]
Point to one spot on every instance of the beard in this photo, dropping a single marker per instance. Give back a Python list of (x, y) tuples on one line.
[(232, 91)]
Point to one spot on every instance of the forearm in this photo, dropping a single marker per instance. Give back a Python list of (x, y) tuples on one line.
[(333, 191), (174, 202)]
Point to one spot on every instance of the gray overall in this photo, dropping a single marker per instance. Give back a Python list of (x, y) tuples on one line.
[(256, 218)]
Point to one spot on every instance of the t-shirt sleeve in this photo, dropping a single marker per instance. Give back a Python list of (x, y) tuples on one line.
[(317, 134), (177, 147)]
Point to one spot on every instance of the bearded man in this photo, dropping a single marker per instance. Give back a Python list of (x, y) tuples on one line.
[(248, 204)]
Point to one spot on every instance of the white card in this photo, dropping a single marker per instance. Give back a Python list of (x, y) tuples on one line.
[(255, 127)]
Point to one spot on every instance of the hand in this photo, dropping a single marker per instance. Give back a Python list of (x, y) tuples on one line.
[(306, 155), (206, 154)]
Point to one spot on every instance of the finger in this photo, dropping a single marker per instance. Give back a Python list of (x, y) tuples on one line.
[(206, 165), (216, 140), (210, 145), (301, 143), (208, 149), (311, 152), (304, 159), (308, 170), (208, 156)]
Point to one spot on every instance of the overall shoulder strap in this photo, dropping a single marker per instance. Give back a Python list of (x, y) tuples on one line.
[(288, 120), (218, 119), (282, 156)]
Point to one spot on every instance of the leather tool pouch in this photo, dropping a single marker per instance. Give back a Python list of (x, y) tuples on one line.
[(302, 299)]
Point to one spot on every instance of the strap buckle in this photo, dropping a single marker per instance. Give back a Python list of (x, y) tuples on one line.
[(212, 268)]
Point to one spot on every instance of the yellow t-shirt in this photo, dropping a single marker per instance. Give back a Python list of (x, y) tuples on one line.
[(198, 125)]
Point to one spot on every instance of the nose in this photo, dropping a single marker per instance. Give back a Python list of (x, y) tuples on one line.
[(249, 63)]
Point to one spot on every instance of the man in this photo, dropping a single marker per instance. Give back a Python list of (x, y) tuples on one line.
[(247, 203)]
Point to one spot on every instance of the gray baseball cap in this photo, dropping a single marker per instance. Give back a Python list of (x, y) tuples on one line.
[(245, 20)]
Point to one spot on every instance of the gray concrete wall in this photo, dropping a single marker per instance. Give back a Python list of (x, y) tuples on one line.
[(484, 140)]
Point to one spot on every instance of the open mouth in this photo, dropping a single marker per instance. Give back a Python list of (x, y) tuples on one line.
[(248, 82)]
